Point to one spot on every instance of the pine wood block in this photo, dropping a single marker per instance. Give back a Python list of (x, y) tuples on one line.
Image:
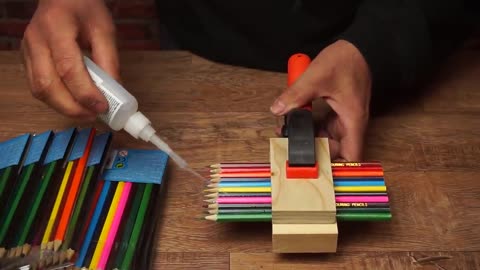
[(303, 210), (301, 201), (304, 238)]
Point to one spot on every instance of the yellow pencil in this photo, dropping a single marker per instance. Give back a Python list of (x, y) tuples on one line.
[(56, 206), (240, 189), (106, 226), (361, 189)]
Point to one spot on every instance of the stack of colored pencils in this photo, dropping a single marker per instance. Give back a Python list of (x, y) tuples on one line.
[(241, 192), (63, 211)]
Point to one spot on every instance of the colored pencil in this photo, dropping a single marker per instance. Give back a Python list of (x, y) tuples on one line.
[(239, 210), (11, 208), (240, 170), (268, 183), (73, 192), (133, 242), (127, 232), (240, 184), (5, 176), (241, 194), (241, 179), (362, 205), (107, 225), (237, 200), (364, 216), (240, 165), (79, 235), (240, 189), (112, 230), (101, 222), (361, 189), (268, 189), (32, 212), (238, 205), (254, 217), (267, 217), (357, 173), (78, 206), (242, 174), (56, 206), (367, 199), (356, 164), (93, 224)]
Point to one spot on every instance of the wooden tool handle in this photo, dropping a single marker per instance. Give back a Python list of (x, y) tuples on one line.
[(297, 64)]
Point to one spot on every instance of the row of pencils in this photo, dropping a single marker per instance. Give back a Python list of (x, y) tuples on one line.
[(63, 213), (241, 192)]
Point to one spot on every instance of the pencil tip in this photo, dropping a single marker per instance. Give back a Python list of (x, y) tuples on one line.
[(57, 244)]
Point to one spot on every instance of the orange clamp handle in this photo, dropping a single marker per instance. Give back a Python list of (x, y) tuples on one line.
[(297, 64)]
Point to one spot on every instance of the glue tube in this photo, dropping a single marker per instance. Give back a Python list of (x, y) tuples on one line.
[(123, 111)]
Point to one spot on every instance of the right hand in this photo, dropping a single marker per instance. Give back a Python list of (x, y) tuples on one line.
[(54, 61)]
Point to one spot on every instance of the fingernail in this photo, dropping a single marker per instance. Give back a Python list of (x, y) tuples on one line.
[(278, 107)]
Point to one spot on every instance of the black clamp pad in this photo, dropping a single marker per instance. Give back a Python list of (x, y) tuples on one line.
[(299, 129)]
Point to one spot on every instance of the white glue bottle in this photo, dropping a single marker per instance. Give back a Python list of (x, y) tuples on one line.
[(123, 112)]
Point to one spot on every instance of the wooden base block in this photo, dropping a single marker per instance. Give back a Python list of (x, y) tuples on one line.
[(304, 238), (303, 210)]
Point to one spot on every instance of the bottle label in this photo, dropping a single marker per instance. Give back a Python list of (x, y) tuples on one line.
[(113, 104)]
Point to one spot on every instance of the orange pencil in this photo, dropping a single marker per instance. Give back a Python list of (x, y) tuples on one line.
[(72, 193), (357, 174)]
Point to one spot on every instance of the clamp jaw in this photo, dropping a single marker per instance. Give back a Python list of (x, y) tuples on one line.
[(299, 129)]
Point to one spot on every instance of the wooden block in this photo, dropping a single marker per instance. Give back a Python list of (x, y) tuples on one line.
[(304, 238), (303, 210), (301, 201)]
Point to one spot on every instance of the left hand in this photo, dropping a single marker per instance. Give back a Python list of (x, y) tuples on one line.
[(340, 75)]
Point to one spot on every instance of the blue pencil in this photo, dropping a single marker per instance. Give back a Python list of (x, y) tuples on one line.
[(93, 224), (358, 183)]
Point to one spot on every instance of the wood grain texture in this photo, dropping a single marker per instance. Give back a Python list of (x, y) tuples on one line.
[(357, 260), (210, 113), (301, 201), (303, 210)]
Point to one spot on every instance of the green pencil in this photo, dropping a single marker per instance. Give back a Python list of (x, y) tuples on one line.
[(364, 216), (127, 232), (14, 201), (254, 217), (78, 206), (32, 212), (137, 228), (4, 179)]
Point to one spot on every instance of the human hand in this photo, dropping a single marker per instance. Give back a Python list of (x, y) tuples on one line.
[(340, 75), (54, 61)]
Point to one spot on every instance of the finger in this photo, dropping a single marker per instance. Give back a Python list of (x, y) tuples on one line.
[(311, 84), (68, 62), (334, 147), (45, 83), (104, 47), (298, 95)]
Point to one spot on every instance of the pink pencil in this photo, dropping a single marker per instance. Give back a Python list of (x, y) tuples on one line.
[(115, 224), (246, 200), (367, 199)]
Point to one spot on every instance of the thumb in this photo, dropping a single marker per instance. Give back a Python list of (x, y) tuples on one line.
[(299, 94)]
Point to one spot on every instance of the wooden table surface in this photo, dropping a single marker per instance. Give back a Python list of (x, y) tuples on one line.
[(209, 113)]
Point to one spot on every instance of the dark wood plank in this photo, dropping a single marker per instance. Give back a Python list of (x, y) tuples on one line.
[(192, 260), (360, 260)]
